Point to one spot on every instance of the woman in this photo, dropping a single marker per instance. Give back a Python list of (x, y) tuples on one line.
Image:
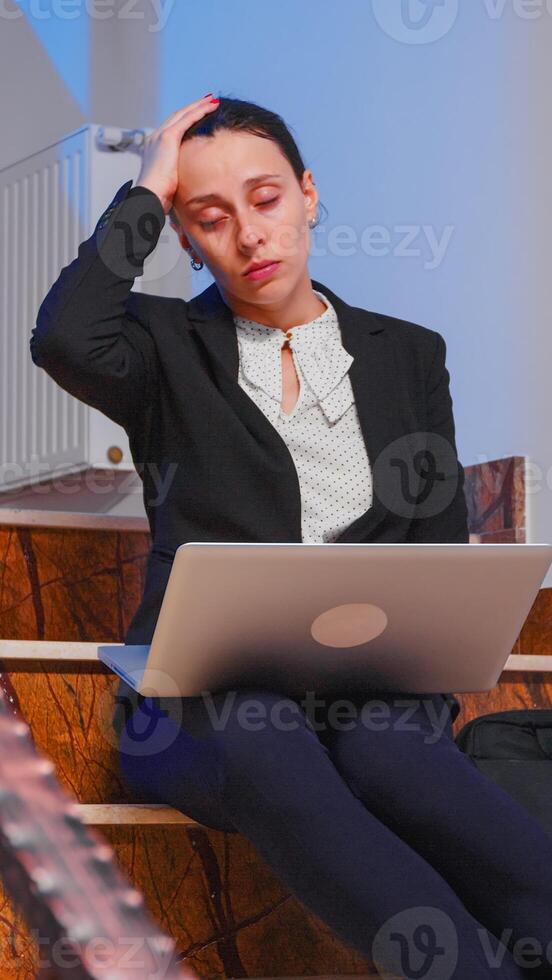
[(266, 401)]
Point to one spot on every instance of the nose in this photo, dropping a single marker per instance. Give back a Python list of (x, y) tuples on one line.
[(250, 235)]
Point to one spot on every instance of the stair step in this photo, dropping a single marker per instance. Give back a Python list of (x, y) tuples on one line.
[(62, 651), (134, 814)]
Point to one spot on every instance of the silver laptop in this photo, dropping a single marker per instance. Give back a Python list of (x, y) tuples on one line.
[(427, 618)]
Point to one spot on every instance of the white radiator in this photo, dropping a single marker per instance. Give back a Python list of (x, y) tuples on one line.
[(50, 203)]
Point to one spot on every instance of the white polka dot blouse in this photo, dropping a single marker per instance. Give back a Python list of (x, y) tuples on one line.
[(322, 432)]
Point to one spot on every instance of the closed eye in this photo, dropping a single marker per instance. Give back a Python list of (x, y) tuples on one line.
[(263, 204)]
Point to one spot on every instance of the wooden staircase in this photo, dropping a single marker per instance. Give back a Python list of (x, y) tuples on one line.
[(63, 591)]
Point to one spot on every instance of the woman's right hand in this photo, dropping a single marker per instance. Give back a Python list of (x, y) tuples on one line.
[(159, 170)]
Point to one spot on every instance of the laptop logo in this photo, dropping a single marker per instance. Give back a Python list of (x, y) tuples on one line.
[(349, 625)]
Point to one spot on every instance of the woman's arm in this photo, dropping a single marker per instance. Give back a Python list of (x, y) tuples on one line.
[(91, 332), (449, 523)]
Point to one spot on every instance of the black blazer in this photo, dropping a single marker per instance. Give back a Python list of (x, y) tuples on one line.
[(213, 467)]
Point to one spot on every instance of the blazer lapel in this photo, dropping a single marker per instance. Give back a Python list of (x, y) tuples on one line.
[(373, 380)]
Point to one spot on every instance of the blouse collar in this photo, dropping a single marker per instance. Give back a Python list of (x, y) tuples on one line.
[(317, 346)]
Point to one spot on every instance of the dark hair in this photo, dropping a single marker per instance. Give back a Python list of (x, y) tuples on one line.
[(251, 118)]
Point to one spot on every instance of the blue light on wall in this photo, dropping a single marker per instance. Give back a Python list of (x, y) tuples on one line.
[(65, 36)]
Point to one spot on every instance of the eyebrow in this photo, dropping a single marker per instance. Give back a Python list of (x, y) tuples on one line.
[(216, 197)]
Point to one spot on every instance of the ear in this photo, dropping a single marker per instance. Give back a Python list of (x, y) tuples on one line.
[(309, 191)]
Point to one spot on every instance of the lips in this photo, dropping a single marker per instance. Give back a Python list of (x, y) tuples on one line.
[(263, 265)]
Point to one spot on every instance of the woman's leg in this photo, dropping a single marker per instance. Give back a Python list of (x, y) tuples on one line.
[(250, 759), (410, 774), (163, 763)]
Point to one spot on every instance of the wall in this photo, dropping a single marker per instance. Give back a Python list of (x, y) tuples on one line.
[(432, 153), (429, 142)]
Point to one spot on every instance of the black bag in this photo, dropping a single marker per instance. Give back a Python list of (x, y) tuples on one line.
[(514, 748)]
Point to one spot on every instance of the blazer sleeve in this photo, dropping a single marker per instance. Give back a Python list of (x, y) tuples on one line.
[(91, 334), (449, 524)]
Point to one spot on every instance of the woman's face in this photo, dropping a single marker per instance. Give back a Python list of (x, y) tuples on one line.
[(250, 217)]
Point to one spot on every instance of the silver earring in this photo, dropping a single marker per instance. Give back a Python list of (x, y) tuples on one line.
[(313, 221), (196, 265)]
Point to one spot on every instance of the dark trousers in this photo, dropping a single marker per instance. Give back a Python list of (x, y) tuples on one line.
[(370, 814)]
